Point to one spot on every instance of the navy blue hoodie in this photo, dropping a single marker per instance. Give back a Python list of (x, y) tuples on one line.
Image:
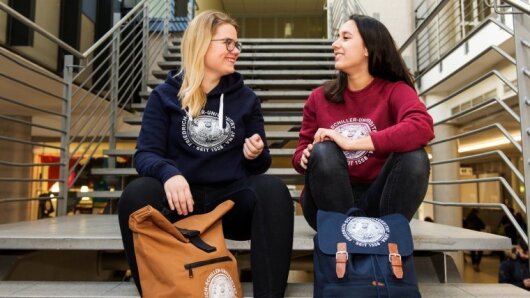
[(199, 148)]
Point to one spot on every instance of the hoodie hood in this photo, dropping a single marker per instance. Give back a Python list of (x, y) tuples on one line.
[(227, 85)]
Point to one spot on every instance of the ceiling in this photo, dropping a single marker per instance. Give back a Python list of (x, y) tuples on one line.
[(239, 8)]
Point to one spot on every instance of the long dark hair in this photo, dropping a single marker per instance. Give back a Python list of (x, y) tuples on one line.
[(384, 60)]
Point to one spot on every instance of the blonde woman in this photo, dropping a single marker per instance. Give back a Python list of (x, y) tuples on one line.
[(202, 141)]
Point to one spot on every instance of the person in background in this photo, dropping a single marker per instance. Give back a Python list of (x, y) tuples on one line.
[(515, 271), (363, 134), (202, 142), (474, 222)]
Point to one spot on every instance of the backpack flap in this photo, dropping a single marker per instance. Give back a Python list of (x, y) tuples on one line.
[(364, 235), (202, 222), (142, 219)]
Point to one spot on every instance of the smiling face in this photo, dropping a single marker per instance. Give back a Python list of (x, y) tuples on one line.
[(351, 54), (218, 60)]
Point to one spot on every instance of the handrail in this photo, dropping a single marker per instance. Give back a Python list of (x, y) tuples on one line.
[(481, 129), (519, 229), (479, 155), (522, 6), (13, 13), (61, 43), (480, 105), (423, 24), (113, 29), (473, 83), (503, 181)]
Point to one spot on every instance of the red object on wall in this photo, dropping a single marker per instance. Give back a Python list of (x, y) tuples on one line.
[(53, 171)]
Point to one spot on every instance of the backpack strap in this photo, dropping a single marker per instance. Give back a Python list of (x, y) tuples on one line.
[(195, 239), (395, 260), (341, 257)]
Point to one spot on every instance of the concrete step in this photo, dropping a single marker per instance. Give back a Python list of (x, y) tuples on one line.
[(271, 135), (297, 64), (16, 289), (268, 84), (270, 74), (288, 175), (294, 48), (278, 41), (269, 120), (265, 107), (130, 152), (101, 232), (246, 56), (277, 94), (107, 289), (112, 195)]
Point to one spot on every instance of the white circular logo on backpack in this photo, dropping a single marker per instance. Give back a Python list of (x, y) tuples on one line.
[(219, 284), (365, 231)]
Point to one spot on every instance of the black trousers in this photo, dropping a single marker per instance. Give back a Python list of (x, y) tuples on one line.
[(399, 188), (263, 212)]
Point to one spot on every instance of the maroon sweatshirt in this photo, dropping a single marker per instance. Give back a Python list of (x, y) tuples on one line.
[(390, 112)]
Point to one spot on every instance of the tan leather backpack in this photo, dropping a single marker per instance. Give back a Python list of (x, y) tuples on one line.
[(188, 258)]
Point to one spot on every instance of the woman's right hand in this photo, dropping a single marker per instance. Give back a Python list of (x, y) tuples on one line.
[(179, 195), (304, 160)]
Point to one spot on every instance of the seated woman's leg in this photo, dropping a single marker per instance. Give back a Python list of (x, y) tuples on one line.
[(401, 185), (327, 183), (139, 193), (263, 212)]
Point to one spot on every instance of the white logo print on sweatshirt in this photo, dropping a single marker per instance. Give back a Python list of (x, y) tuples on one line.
[(355, 128), (204, 134)]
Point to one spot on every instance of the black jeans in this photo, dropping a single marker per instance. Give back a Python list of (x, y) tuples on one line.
[(399, 188), (263, 212)]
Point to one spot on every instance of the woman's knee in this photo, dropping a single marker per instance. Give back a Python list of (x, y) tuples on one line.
[(139, 192), (272, 189), (415, 164), (326, 156)]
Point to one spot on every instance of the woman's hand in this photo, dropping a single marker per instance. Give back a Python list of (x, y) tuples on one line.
[(304, 160), (324, 134), (179, 195), (361, 144), (253, 147)]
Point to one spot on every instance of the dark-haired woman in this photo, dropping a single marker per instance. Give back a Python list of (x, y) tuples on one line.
[(363, 134)]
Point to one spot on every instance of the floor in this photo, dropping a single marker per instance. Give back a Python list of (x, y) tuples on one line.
[(489, 270)]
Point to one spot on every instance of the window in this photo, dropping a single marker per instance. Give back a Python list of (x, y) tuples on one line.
[(17, 33)]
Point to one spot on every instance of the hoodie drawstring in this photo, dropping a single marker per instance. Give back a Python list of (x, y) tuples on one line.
[(221, 111)]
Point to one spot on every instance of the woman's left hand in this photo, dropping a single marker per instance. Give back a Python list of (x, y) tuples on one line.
[(324, 134), (253, 147)]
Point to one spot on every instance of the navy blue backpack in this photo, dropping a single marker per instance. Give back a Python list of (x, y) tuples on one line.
[(357, 256)]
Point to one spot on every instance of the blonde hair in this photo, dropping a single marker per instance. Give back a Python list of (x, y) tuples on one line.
[(193, 48)]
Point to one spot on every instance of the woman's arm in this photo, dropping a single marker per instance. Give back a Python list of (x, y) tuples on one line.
[(151, 156), (307, 133), (255, 125), (414, 125)]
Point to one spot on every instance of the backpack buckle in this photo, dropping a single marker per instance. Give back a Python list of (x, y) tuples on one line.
[(390, 255), (342, 252)]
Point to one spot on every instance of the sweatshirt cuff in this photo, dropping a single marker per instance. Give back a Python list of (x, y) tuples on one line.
[(167, 171), (260, 164), (377, 140)]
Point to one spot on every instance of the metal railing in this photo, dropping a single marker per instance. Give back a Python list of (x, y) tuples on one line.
[(441, 30), (441, 27), (91, 96), (338, 12)]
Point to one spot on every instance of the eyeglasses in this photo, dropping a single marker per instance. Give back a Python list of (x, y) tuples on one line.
[(230, 44)]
